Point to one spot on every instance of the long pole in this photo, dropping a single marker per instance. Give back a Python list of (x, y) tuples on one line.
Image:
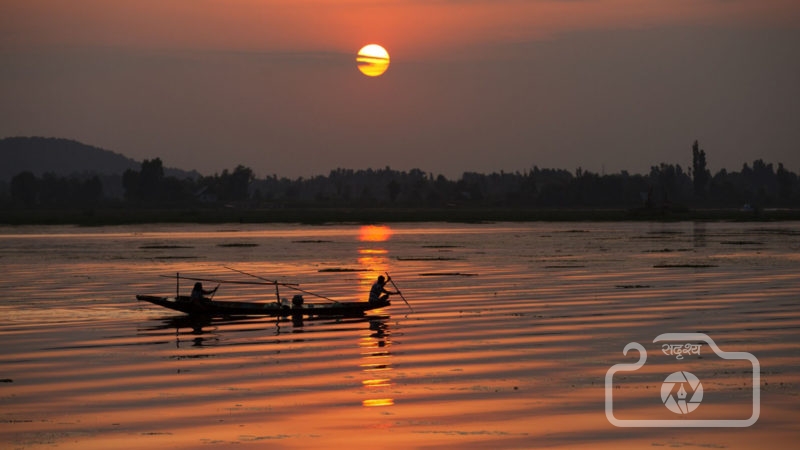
[(282, 284), (398, 291)]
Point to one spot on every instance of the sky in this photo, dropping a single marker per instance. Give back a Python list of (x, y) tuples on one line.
[(473, 85)]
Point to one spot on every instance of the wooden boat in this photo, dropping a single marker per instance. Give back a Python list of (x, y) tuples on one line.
[(280, 308), (298, 307)]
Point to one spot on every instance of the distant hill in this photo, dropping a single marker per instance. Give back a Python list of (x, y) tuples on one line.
[(64, 157)]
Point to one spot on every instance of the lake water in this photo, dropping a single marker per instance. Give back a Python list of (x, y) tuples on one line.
[(513, 331)]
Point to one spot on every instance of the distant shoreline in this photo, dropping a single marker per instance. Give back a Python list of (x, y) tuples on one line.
[(129, 216)]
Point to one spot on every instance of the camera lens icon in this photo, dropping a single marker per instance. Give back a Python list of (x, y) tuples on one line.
[(675, 390)]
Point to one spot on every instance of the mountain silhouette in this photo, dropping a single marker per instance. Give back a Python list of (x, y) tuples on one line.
[(64, 157)]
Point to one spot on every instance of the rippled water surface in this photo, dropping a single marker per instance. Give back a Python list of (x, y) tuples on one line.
[(513, 331)]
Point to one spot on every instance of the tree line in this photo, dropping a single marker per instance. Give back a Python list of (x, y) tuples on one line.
[(666, 186)]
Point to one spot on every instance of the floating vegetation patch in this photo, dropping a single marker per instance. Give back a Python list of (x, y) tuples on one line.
[(175, 257), (180, 357), (238, 244), (632, 286), (684, 266), (427, 258), (6, 380), (653, 235), (441, 246), (741, 243), (342, 269), (311, 241), (251, 438), (777, 231), (163, 247), (564, 266), (669, 250), (447, 274)]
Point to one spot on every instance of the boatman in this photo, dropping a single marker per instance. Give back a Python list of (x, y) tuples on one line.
[(378, 293), (198, 293)]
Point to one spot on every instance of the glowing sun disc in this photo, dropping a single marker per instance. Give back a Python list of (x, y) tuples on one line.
[(373, 60), (374, 233)]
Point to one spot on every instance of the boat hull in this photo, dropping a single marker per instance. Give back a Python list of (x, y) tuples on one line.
[(223, 308)]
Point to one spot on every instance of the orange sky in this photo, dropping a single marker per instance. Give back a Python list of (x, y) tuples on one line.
[(416, 27), (479, 85)]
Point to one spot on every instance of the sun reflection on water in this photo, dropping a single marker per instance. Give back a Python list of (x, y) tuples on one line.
[(373, 258), (377, 365)]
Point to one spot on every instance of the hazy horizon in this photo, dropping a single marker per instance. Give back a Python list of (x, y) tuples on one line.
[(479, 86)]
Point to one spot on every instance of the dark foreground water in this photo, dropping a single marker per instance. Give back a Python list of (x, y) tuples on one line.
[(513, 331)]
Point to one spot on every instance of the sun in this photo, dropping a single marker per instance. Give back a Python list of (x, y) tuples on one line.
[(374, 233), (373, 60)]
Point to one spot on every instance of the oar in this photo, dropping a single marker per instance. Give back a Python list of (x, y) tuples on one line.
[(215, 291), (289, 285), (398, 291)]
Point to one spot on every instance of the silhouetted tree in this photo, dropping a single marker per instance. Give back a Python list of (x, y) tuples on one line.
[(786, 181), (130, 183), (151, 178), (700, 172), (91, 191), (149, 185), (394, 190), (52, 190), (235, 185), (666, 186), (25, 188)]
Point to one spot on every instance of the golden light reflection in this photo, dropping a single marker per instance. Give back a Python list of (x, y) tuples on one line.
[(378, 382), (378, 402), (377, 365), (373, 60), (372, 251), (374, 233), (372, 259)]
